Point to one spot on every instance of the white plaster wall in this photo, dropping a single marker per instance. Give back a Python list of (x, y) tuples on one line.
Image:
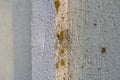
[(43, 40)]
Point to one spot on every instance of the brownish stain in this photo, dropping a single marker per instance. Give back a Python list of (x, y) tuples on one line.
[(57, 65), (57, 5), (62, 62), (60, 35), (103, 50), (63, 17), (62, 51)]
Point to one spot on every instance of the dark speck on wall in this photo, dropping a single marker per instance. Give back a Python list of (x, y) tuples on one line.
[(103, 50), (95, 23)]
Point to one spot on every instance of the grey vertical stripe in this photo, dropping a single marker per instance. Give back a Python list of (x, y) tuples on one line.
[(22, 39)]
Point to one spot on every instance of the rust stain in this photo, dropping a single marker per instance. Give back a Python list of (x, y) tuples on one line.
[(62, 62), (57, 5), (62, 51), (63, 17), (61, 39), (60, 35)]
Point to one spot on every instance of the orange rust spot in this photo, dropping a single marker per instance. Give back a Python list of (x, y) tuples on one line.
[(60, 35), (62, 62), (57, 5), (62, 51), (103, 50)]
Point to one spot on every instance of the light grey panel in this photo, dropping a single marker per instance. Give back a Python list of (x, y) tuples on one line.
[(43, 40), (22, 39)]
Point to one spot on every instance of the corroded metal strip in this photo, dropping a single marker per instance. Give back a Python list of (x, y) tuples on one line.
[(61, 39)]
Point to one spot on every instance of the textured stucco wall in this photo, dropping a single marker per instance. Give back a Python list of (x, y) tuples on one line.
[(43, 41), (94, 24)]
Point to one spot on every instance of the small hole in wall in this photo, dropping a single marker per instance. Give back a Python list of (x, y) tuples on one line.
[(95, 23), (103, 50), (82, 67)]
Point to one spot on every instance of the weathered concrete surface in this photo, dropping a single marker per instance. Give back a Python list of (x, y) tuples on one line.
[(95, 39), (43, 40), (6, 40)]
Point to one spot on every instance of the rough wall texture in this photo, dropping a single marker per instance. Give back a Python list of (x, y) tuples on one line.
[(95, 37), (95, 40), (43, 41)]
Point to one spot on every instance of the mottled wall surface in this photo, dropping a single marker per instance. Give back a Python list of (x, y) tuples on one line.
[(43, 40), (95, 39)]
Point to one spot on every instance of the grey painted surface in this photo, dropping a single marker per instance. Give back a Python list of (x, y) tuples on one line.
[(43, 40), (22, 39), (94, 24)]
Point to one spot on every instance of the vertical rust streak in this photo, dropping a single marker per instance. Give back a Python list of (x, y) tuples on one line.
[(61, 40)]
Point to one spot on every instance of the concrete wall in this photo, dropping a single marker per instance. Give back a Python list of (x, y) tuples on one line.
[(95, 39), (43, 40)]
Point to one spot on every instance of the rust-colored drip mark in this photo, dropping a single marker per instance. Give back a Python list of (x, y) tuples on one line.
[(62, 51), (57, 5), (60, 35), (62, 62), (61, 39), (103, 50)]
